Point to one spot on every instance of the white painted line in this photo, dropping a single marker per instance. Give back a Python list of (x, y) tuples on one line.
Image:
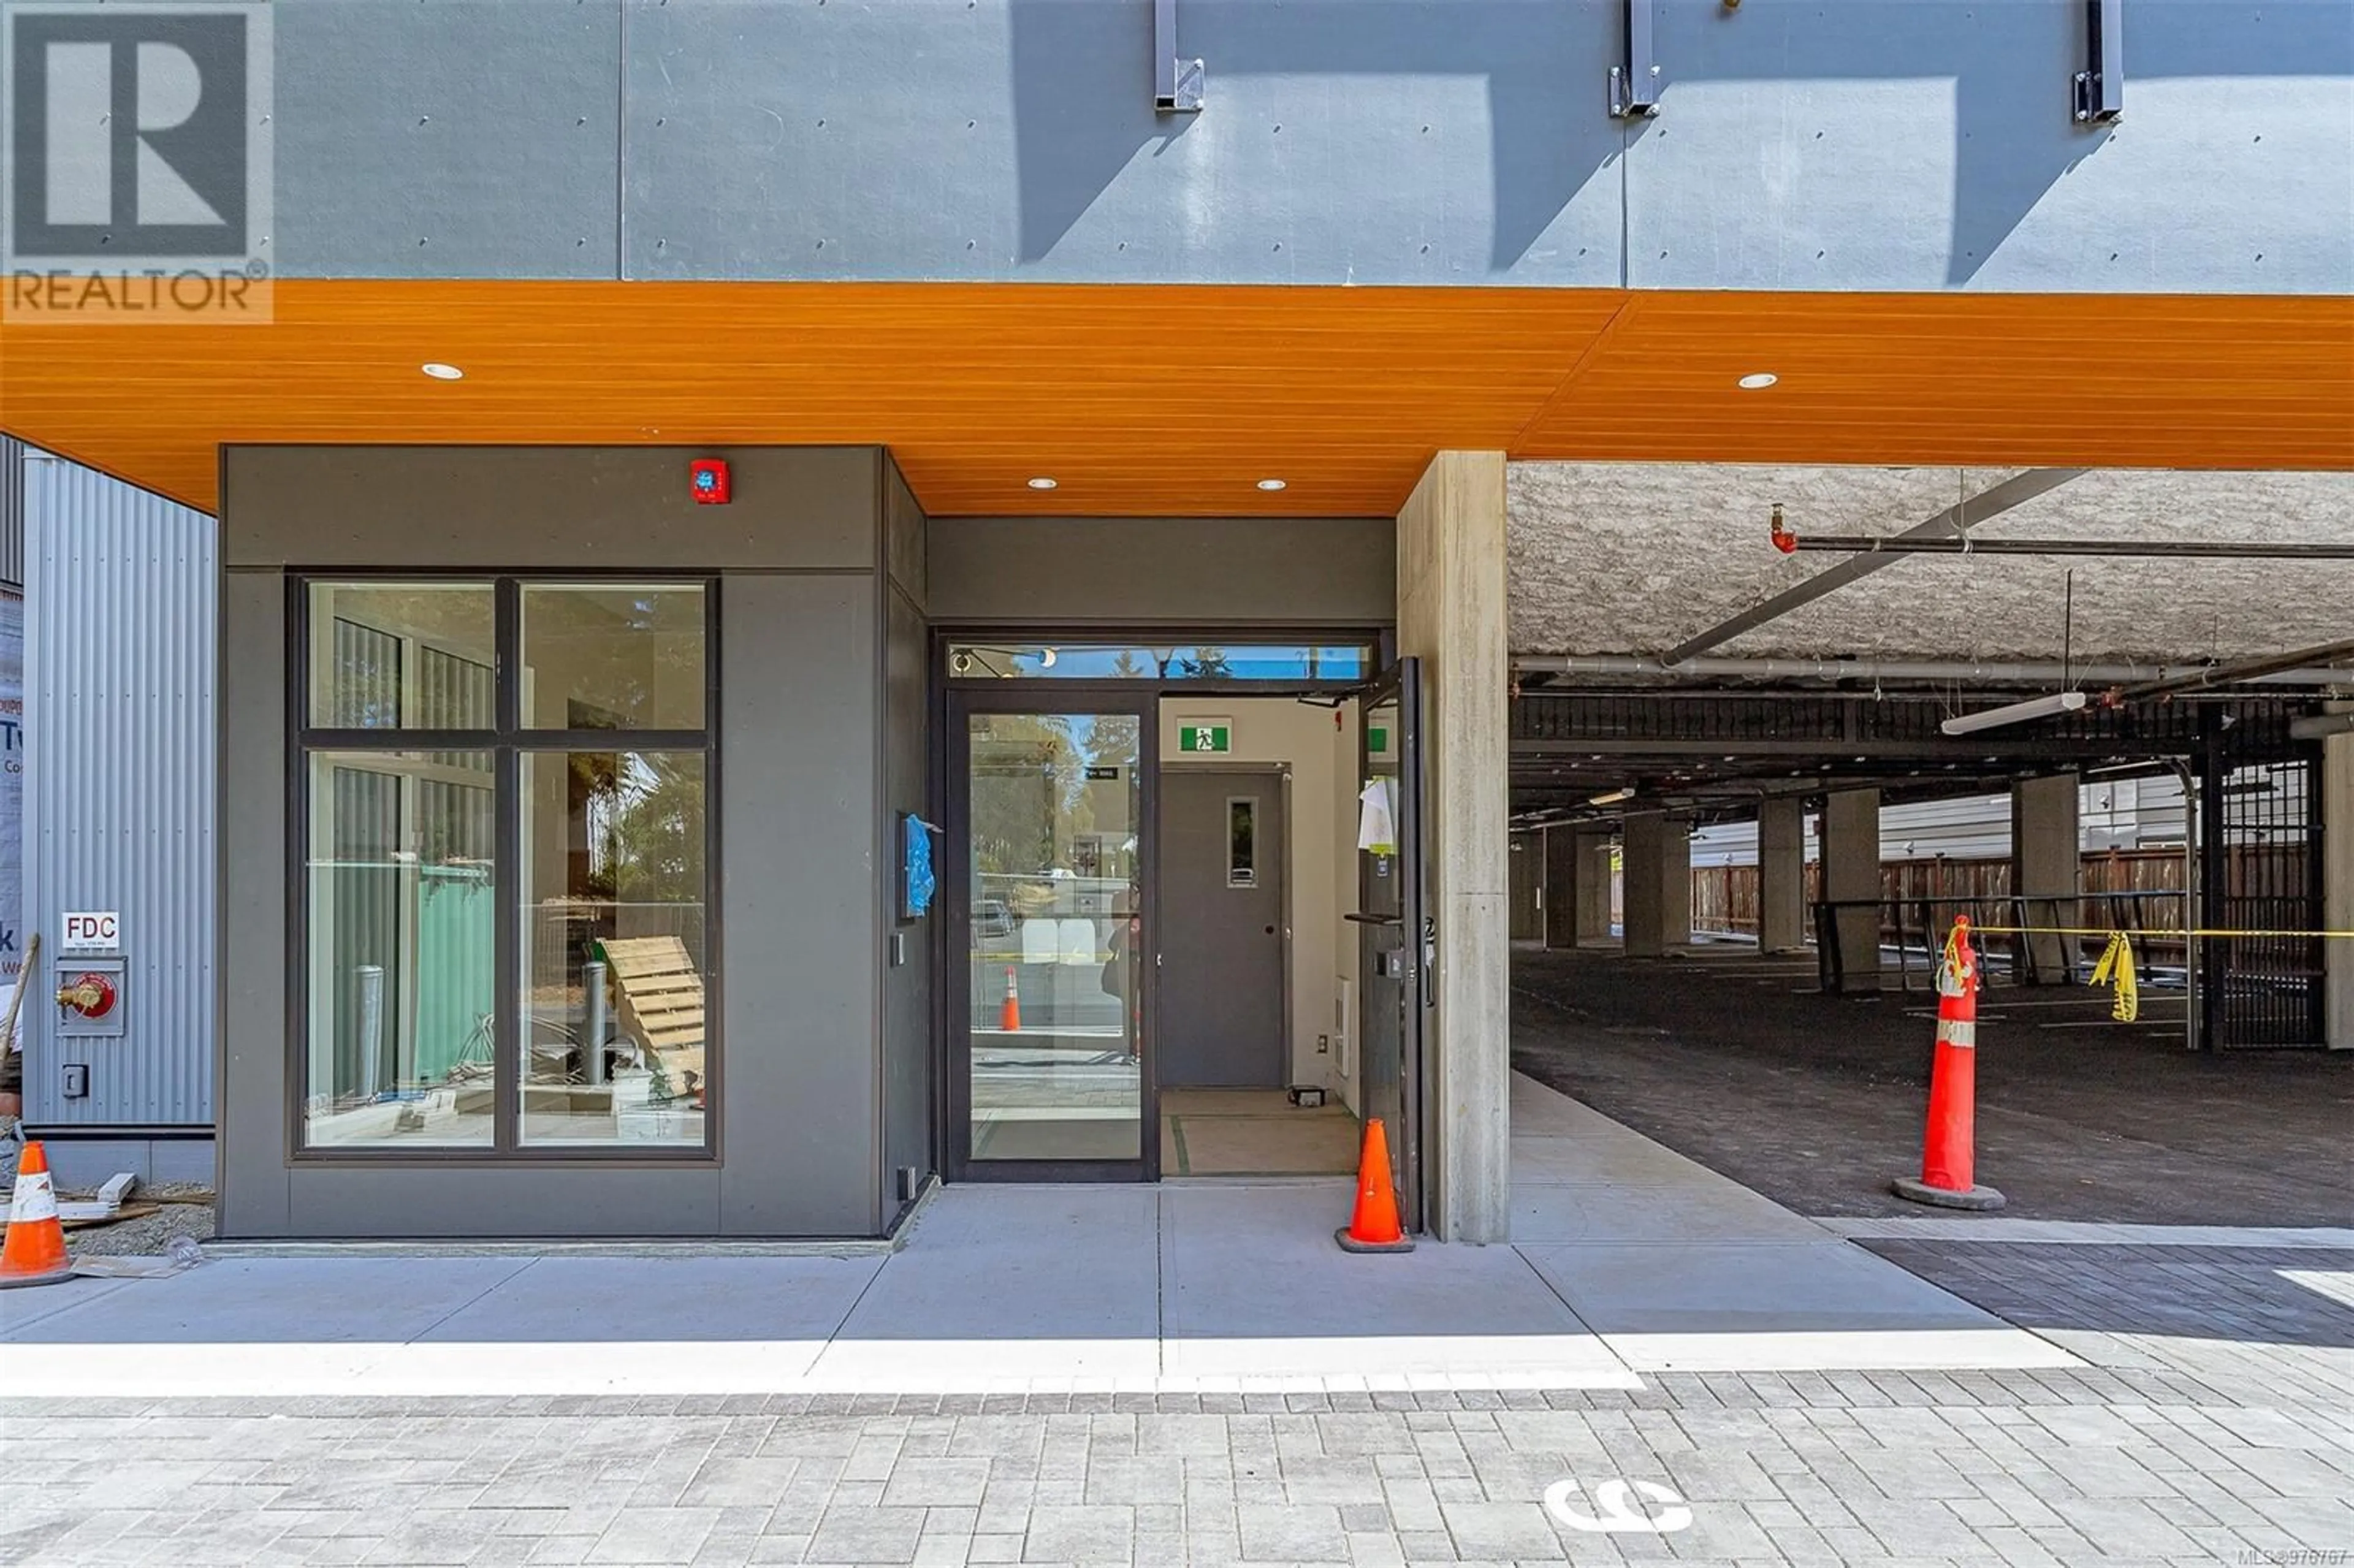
[(2084, 1232)]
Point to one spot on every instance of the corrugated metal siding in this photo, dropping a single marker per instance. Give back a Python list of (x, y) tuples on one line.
[(120, 660), (12, 511)]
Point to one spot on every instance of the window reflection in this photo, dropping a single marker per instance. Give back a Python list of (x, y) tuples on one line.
[(400, 954), (615, 947), (1056, 925), (1164, 664)]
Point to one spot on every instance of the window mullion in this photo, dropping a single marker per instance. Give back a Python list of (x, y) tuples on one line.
[(511, 1027)]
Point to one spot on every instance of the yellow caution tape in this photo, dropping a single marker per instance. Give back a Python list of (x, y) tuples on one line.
[(2117, 965)]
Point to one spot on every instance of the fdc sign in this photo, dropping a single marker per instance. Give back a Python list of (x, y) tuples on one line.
[(136, 153)]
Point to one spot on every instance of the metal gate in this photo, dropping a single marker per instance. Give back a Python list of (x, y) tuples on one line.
[(2262, 872)]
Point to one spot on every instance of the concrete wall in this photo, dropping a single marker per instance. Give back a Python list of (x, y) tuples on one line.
[(798, 986), (120, 640), (1323, 863), (1848, 144), (1450, 616)]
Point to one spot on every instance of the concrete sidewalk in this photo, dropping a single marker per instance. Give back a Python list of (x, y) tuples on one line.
[(1628, 1259)]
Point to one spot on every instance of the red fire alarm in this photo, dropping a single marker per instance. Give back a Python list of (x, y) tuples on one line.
[(707, 478)]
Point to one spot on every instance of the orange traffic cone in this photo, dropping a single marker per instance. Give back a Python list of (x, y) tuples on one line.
[(1008, 1017), (1948, 1175), (1374, 1227), (35, 1249)]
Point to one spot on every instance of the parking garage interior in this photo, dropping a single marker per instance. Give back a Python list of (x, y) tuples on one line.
[(1752, 788)]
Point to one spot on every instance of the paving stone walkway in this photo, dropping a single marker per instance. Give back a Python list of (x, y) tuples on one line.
[(2232, 1446)]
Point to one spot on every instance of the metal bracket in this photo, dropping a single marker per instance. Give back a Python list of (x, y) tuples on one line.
[(1635, 80), (1176, 83), (2099, 89)]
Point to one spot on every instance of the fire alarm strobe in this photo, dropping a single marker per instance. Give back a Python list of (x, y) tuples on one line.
[(707, 478)]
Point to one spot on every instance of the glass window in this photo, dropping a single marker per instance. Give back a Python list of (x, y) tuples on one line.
[(505, 943), (402, 655), (401, 985), (1242, 841), (614, 899), (1292, 662), (604, 657), (1057, 929)]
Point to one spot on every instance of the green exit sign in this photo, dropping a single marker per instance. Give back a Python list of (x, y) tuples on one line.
[(1211, 735)]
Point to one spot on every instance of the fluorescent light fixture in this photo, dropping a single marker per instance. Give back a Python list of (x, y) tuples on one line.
[(1612, 799), (2015, 713), (1272, 484), (1041, 482), (1758, 381), (441, 372)]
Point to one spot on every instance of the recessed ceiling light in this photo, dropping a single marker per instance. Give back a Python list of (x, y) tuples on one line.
[(1041, 482), (1271, 484), (1759, 381), (441, 372)]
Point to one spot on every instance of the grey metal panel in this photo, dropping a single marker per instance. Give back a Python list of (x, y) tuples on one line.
[(255, 1187), (118, 690), (908, 948), (1130, 571), (447, 138), (12, 511), (1346, 140), (904, 528), (801, 896), (1856, 144), (516, 1200), (488, 507)]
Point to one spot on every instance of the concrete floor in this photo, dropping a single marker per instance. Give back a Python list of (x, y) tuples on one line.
[(1632, 1260), (1253, 1132), (1816, 1101)]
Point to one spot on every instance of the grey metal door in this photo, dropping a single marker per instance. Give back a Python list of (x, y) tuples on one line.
[(1222, 940)]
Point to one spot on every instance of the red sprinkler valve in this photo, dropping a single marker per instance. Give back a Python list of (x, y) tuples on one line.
[(1784, 540)]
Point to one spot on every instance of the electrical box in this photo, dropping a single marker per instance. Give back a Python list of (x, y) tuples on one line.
[(89, 999)]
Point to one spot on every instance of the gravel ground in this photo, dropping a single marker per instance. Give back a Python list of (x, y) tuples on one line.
[(188, 1211)]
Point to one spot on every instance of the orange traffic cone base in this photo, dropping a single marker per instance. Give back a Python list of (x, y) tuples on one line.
[(1373, 1226), (35, 1250), (1979, 1198)]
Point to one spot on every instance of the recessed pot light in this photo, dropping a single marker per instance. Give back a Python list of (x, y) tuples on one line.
[(1758, 381), (1271, 484), (441, 372), (1041, 482)]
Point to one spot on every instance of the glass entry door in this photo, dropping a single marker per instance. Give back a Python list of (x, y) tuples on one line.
[(1396, 938), (1046, 1073)]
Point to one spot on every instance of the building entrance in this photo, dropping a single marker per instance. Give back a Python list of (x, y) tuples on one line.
[(1225, 927)]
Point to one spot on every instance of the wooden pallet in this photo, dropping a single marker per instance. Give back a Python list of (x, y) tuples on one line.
[(661, 1005)]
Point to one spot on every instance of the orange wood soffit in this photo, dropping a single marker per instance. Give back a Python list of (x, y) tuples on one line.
[(1177, 399)]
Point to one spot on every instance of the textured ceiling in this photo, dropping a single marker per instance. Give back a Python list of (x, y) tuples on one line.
[(1634, 559)]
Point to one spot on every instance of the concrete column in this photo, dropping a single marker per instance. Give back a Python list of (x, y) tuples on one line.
[(1577, 887), (2337, 887), (1528, 886), (1560, 887), (1782, 875), (1451, 573), (1851, 871), (1593, 889), (1658, 885), (2046, 864)]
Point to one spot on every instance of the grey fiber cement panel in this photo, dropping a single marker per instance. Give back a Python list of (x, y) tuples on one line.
[(254, 878), (418, 140), (478, 508), (800, 899), (1200, 571)]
